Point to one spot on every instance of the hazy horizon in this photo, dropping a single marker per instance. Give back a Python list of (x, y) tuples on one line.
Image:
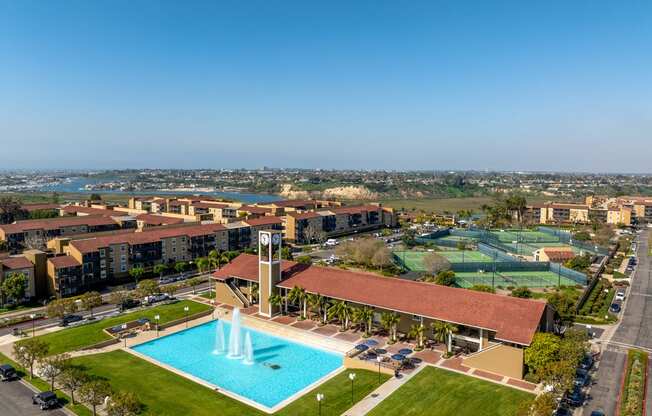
[(507, 86)]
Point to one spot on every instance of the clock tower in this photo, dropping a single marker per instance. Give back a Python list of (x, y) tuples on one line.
[(269, 269)]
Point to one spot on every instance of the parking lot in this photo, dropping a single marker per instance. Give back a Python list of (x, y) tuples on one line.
[(16, 400)]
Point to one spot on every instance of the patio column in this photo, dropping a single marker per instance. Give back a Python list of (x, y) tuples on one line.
[(480, 348)]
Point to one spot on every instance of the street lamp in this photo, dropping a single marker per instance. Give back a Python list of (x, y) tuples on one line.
[(32, 316), (186, 309), (157, 318), (320, 398), (380, 360), (351, 377), (124, 334)]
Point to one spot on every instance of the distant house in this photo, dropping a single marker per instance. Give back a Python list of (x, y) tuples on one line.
[(554, 254)]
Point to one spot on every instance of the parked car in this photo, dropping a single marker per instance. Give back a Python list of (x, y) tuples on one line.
[(597, 413), (158, 297), (563, 411), (130, 303), (166, 280), (70, 319), (7, 373), (587, 362), (620, 295), (45, 400), (331, 242), (582, 378), (615, 308), (576, 397)]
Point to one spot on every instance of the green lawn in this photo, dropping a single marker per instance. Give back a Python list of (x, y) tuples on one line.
[(165, 393), (208, 295), (86, 335), (437, 392), (41, 385)]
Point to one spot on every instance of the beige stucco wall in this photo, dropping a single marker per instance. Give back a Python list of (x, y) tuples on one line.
[(501, 359), (223, 294)]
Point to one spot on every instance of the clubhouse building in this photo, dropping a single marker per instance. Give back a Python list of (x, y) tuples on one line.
[(494, 328)]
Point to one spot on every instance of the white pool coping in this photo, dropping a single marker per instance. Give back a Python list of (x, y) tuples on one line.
[(237, 396)]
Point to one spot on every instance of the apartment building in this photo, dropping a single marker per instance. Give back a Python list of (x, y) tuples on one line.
[(311, 226), (557, 213), (21, 265), (36, 233)]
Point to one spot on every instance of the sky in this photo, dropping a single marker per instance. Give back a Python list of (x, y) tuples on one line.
[(401, 85)]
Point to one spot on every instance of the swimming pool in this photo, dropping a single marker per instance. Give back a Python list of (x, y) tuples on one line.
[(280, 369)]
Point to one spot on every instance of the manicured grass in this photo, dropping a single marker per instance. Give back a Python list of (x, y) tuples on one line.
[(165, 393), (207, 295), (86, 335), (437, 392), (64, 399)]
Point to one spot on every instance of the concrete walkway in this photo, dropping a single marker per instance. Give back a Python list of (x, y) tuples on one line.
[(365, 405)]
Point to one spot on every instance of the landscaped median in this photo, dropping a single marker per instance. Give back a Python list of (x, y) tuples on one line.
[(632, 395), (87, 335), (163, 392)]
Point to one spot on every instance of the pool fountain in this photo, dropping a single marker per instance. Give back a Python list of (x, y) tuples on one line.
[(220, 344), (223, 355), (235, 342), (248, 350)]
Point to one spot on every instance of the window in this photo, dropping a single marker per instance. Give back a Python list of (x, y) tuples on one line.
[(416, 318), (102, 252), (123, 267)]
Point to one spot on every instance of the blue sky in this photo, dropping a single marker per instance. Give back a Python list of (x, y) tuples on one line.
[(504, 85)]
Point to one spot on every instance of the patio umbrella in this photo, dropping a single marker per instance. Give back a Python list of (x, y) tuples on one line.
[(415, 360), (380, 351), (361, 347), (405, 351), (371, 342), (398, 357)]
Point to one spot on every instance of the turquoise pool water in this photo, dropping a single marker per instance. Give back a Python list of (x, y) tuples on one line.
[(191, 351)]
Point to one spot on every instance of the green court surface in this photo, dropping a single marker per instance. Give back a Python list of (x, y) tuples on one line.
[(413, 260), (508, 236), (518, 278)]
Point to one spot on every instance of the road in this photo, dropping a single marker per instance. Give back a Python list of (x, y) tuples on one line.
[(99, 311), (634, 331), (16, 400)]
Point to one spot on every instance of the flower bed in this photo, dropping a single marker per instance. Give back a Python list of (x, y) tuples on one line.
[(632, 395)]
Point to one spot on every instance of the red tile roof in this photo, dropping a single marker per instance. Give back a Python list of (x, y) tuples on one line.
[(62, 262), (513, 319), (146, 236), (55, 223), (76, 210), (355, 209), (18, 262), (36, 207), (254, 210), (158, 219), (303, 215), (267, 220)]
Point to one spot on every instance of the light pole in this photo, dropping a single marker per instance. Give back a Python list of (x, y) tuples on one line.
[(32, 316), (320, 398), (124, 334), (157, 318), (379, 359), (351, 377), (186, 309)]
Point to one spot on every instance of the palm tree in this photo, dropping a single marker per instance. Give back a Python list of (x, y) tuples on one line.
[(202, 264), (390, 321), (297, 295), (443, 332), (340, 310), (136, 272), (324, 303), (417, 331), (312, 300), (364, 316), (276, 300), (214, 259)]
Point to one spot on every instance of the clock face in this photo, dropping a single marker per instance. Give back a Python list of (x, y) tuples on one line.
[(276, 239), (264, 239)]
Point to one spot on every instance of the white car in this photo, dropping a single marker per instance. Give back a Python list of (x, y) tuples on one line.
[(331, 242), (620, 295)]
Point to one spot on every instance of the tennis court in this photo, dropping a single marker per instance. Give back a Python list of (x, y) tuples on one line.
[(413, 260), (509, 236), (518, 278)]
